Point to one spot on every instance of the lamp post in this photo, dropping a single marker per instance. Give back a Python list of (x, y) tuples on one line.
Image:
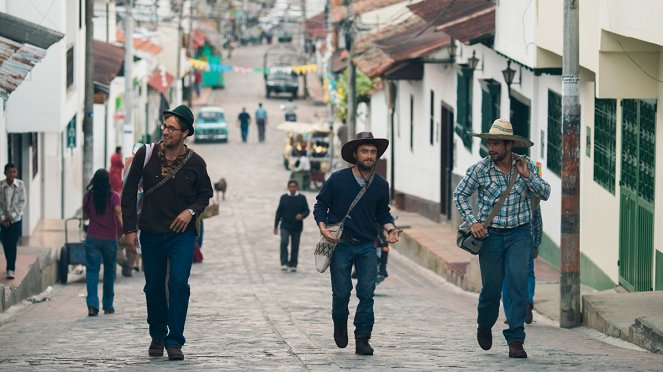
[(509, 74)]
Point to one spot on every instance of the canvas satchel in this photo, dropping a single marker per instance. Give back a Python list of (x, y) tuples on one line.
[(464, 238), (324, 250)]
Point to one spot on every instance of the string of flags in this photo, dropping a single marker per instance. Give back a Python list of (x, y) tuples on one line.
[(219, 67)]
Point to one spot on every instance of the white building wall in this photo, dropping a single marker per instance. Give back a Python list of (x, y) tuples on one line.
[(515, 30)]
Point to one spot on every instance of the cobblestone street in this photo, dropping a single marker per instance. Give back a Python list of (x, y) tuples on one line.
[(246, 314)]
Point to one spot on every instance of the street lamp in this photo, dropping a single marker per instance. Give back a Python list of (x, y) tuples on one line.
[(451, 49), (473, 61), (510, 73)]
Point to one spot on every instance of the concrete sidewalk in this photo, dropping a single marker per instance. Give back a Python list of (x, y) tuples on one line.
[(315, 90), (36, 264), (634, 317)]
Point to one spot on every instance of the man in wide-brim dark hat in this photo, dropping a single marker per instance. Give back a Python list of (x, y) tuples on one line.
[(356, 244)]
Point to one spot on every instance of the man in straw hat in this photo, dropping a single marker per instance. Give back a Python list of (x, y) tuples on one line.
[(357, 243), (508, 241)]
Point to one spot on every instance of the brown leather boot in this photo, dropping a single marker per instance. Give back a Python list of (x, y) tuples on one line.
[(156, 348), (516, 350), (175, 352)]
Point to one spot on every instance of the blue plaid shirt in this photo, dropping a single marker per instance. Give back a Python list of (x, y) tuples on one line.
[(491, 183)]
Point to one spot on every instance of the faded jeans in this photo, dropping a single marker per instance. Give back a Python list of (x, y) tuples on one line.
[(96, 251), (505, 256), (293, 237), (365, 260)]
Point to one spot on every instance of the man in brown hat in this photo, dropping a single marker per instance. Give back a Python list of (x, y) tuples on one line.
[(507, 241), (357, 243), (177, 190)]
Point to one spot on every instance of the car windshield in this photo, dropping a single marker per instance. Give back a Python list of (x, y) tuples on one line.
[(281, 75), (211, 117)]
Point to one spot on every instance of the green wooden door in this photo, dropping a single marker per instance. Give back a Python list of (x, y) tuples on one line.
[(636, 235)]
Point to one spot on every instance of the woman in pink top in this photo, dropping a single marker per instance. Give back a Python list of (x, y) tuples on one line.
[(102, 206)]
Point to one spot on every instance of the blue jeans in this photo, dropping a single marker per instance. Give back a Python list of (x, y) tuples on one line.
[(504, 257), (365, 260), (293, 236), (531, 285), (166, 316), (245, 132), (97, 250)]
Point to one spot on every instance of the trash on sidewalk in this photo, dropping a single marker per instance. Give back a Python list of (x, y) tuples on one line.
[(41, 297)]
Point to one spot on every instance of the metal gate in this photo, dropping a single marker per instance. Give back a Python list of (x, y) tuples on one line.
[(636, 220)]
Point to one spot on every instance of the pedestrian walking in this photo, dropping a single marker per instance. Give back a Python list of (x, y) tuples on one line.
[(302, 170), (507, 241), (102, 206), (116, 170), (290, 213), (289, 110), (356, 245), (177, 190), (536, 229), (12, 204), (244, 119), (261, 121)]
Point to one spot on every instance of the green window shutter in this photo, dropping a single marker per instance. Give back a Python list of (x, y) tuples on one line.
[(554, 159), (605, 132), (460, 106), (490, 108)]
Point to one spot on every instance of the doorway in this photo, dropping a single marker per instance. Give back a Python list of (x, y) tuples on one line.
[(446, 158), (520, 120)]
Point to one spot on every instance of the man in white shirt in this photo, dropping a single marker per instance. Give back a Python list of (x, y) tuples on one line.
[(302, 170), (12, 203)]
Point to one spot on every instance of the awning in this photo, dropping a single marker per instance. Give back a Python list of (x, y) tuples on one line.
[(108, 60), (160, 80), (141, 44), (315, 26), (22, 45), (467, 21)]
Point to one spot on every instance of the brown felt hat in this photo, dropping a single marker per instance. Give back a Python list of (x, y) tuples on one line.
[(363, 138)]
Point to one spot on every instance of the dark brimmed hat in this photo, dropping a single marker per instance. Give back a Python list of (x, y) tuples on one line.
[(184, 113), (502, 130), (363, 138)]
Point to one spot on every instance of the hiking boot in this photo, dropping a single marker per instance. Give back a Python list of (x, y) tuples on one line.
[(109, 311), (156, 348), (485, 339), (175, 352), (516, 350), (92, 311), (529, 316), (362, 347), (341, 335)]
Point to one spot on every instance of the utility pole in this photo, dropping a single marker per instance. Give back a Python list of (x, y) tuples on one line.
[(128, 129), (352, 77), (190, 88), (569, 306), (88, 105), (179, 52), (303, 45)]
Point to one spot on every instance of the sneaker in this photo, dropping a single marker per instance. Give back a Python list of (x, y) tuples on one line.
[(10, 274), (284, 267), (485, 339), (341, 335), (293, 269), (156, 348), (516, 350), (529, 316), (362, 347), (126, 271), (175, 352)]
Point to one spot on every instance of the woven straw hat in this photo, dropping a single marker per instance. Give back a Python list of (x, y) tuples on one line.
[(502, 129)]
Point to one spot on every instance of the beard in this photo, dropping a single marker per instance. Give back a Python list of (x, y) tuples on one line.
[(364, 168)]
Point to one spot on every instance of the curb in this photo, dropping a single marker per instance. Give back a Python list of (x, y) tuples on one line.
[(646, 335), (41, 273)]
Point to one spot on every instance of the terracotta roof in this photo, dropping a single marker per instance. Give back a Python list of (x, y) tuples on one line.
[(315, 26), (22, 45), (160, 80), (340, 13), (107, 62), (465, 20), (339, 60), (141, 44), (367, 55), (413, 42)]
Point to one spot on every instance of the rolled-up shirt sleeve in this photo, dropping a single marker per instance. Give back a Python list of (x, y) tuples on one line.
[(536, 184), (467, 186)]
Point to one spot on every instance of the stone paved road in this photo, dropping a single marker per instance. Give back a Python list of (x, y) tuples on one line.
[(245, 314)]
